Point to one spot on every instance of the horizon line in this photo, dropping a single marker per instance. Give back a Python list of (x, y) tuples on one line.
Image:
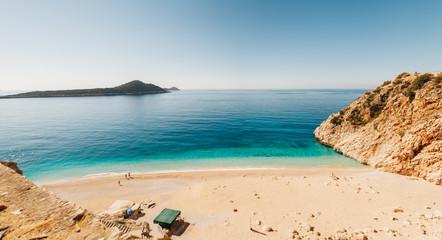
[(181, 89)]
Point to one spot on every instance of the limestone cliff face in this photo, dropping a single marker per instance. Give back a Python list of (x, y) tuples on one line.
[(396, 128)]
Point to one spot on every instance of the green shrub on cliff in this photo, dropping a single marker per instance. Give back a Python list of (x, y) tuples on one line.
[(336, 120), (410, 93), (342, 111), (376, 110), (402, 75), (401, 133), (385, 83), (417, 84), (438, 79), (377, 90), (368, 99), (420, 81), (399, 78)]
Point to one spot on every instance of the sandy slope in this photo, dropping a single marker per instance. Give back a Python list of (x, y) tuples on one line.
[(306, 200)]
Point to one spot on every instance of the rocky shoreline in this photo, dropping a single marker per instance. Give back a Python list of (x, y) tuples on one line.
[(395, 128)]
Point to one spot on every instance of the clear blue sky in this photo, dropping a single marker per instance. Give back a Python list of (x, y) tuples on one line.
[(210, 44)]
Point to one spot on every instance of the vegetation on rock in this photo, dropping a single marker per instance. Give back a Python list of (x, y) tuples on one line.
[(438, 79), (373, 102), (402, 75), (399, 78), (417, 84), (385, 83), (401, 133), (336, 120)]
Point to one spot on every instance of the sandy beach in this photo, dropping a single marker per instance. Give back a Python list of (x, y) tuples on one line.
[(297, 203)]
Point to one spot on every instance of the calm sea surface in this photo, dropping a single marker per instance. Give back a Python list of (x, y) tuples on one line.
[(62, 138)]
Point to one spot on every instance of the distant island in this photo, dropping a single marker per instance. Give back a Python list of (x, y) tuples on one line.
[(172, 89), (135, 87)]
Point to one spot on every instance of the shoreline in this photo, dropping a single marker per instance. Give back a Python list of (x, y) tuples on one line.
[(146, 167), (194, 171)]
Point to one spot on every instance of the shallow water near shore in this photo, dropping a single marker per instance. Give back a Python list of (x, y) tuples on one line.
[(61, 138)]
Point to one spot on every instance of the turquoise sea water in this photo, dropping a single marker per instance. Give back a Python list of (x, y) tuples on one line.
[(61, 138)]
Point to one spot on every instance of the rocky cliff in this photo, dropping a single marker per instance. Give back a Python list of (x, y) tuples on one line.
[(396, 128), (32, 212)]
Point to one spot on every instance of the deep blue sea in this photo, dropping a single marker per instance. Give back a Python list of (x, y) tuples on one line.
[(61, 138)]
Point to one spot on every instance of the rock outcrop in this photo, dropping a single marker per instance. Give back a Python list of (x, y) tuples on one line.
[(396, 128), (32, 212), (13, 166)]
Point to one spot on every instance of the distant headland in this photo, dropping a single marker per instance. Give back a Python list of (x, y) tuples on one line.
[(135, 87)]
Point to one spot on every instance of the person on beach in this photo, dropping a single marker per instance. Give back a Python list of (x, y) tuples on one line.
[(125, 175), (119, 183), (128, 174)]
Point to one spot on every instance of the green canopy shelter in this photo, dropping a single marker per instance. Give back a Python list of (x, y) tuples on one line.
[(166, 217)]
